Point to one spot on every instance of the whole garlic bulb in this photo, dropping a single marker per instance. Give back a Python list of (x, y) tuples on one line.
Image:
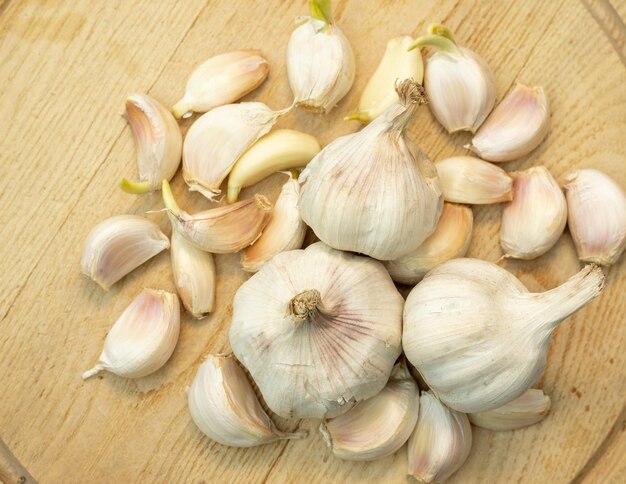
[(318, 329), (374, 191)]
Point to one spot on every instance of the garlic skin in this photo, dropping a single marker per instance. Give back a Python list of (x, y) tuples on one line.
[(450, 240), (346, 189), (528, 409), (285, 230), (596, 216), (118, 245), (440, 443), (223, 79), (479, 337), (318, 329), (535, 219), (515, 127), (465, 179), (143, 338), (223, 405), (378, 426)]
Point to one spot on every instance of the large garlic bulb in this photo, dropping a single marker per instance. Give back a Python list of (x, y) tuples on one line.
[(318, 329)]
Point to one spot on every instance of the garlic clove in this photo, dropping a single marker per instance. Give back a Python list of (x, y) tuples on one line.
[(143, 338), (118, 245), (528, 409), (279, 150), (450, 239), (465, 179), (378, 426), (285, 230), (440, 443), (515, 127), (220, 230), (596, 216), (223, 79), (224, 406), (535, 219)]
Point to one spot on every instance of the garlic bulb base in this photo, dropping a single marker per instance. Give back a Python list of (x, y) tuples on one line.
[(135, 188)]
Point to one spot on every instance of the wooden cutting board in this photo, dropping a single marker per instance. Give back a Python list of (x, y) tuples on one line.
[(65, 70)]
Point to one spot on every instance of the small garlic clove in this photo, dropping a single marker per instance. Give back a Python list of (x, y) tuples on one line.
[(223, 79), (535, 219), (224, 406), (143, 338), (118, 245), (528, 409), (465, 179), (515, 127), (450, 239), (596, 216), (440, 443)]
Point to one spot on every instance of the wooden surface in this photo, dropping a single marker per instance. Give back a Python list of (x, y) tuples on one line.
[(66, 67)]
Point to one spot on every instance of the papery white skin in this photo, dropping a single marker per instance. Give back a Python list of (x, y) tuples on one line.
[(528, 409), (143, 338), (118, 245), (535, 219), (318, 329), (479, 337), (596, 216)]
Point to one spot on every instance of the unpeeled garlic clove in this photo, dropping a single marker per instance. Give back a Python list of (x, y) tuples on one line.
[(224, 406), (515, 127), (465, 179), (528, 409), (118, 245), (596, 216), (223, 79), (535, 219), (143, 338)]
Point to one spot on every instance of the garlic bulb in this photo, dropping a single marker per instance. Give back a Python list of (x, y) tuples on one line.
[(320, 62), (398, 63), (224, 406), (596, 216), (158, 140), (460, 86), (285, 230), (450, 239), (528, 409), (378, 426), (318, 329), (143, 338), (515, 127), (441, 442), (374, 191), (465, 179), (223, 79), (533, 222), (118, 245), (478, 337)]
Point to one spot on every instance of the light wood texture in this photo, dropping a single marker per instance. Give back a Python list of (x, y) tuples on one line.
[(66, 69)]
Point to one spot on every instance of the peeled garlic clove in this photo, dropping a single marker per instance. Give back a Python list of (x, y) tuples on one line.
[(224, 406), (440, 443), (320, 62), (515, 127), (398, 63), (221, 230), (534, 220), (479, 337), (528, 409), (465, 179), (596, 216), (450, 239), (285, 230), (143, 338), (118, 245), (223, 79), (283, 149), (378, 426)]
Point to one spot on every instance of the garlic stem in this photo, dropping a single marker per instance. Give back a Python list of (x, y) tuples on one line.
[(304, 306), (321, 10), (94, 371), (438, 42), (442, 30), (135, 188), (168, 198)]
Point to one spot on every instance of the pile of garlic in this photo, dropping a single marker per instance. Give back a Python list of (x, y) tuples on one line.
[(323, 331)]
